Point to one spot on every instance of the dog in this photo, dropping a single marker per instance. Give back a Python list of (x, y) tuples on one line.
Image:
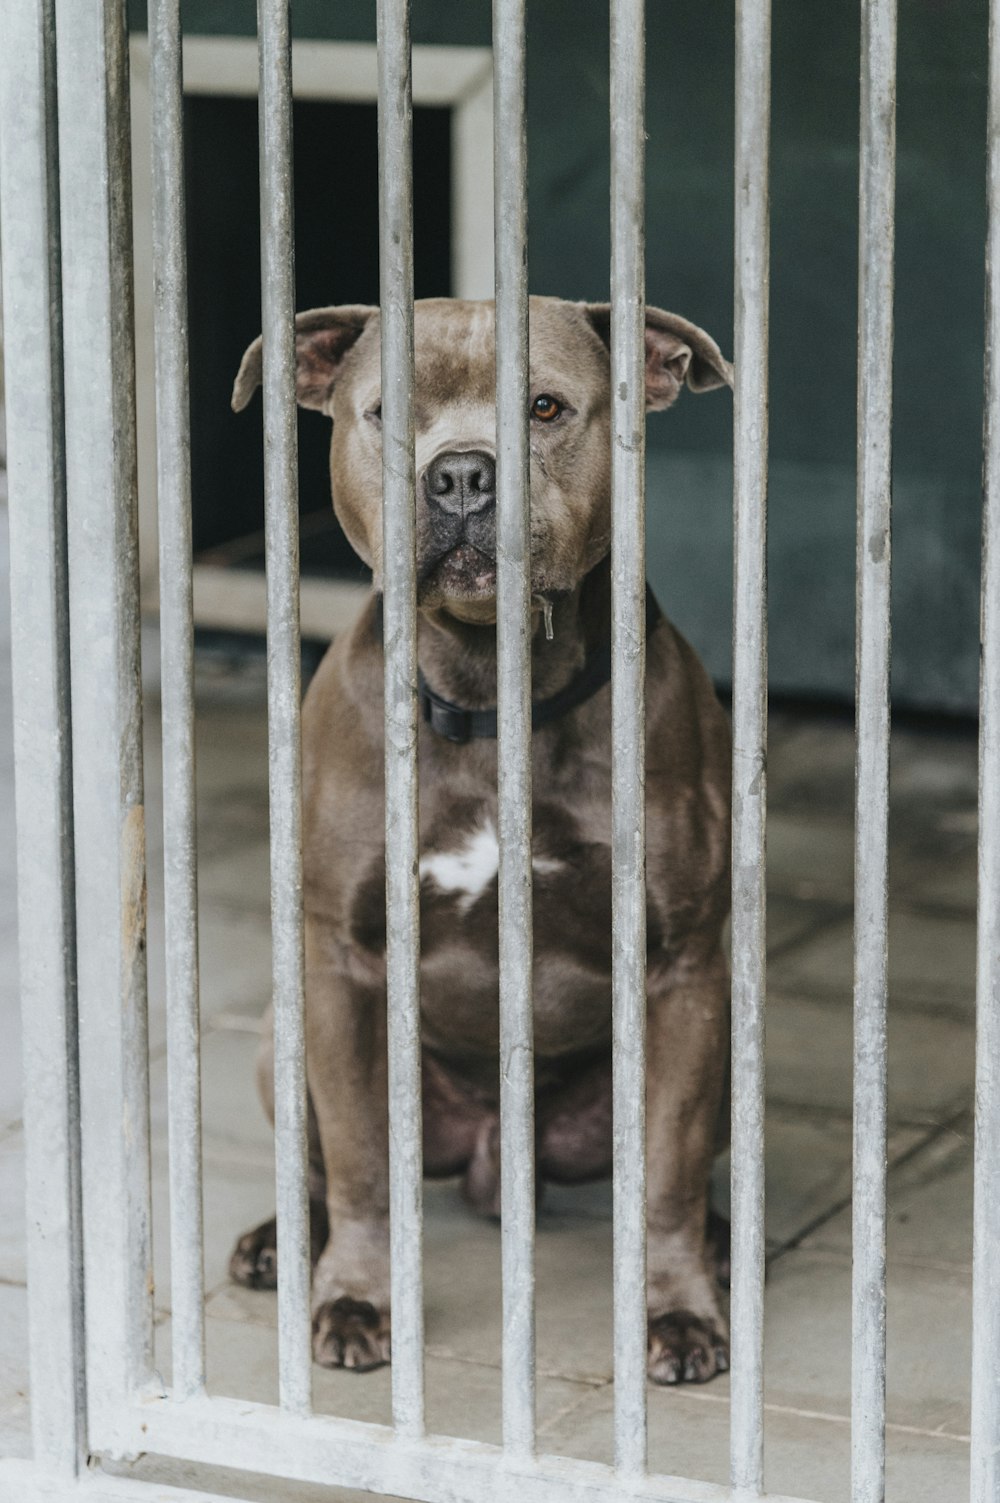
[(687, 822)]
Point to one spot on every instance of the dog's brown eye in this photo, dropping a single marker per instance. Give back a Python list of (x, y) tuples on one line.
[(546, 408)]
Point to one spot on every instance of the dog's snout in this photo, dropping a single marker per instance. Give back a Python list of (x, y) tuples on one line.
[(463, 482)]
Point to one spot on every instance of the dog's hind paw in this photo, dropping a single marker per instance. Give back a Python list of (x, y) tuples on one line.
[(350, 1333), (254, 1262), (683, 1348)]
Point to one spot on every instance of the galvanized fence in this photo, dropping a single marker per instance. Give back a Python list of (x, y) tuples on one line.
[(67, 293)]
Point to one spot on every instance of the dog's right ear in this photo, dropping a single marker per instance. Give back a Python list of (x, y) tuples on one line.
[(323, 337)]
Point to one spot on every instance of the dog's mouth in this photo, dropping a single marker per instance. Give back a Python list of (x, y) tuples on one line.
[(463, 573)]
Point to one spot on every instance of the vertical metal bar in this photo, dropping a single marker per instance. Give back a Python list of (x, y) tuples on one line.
[(628, 721), (517, 1089), (402, 847), (281, 523), (180, 880), (95, 203), (752, 262), (875, 289), (29, 227), (985, 1454)]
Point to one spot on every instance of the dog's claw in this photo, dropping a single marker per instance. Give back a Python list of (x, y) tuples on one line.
[(350, 1333), (683, 1348)]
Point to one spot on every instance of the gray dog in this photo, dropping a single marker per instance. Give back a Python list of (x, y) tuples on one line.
[(687, 790)]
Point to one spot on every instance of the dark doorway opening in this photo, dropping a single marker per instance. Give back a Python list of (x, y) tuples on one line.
[(336, 261)]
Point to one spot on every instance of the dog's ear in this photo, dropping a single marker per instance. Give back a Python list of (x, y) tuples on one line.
[(323, 337), (676, 350)]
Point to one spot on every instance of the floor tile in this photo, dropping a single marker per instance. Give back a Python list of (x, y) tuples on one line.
[(939, 880), (810, 856), (237, 1195), (934, 769), (810, 768), (791, 919), (463, 1398), (932, 961), (808, 1339), (809, 1058), (237, 884), (234, 959), (233, 1120), (806, 1456), (929, 1210)]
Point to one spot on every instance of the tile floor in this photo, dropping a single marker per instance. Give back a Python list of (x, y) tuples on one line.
[(808, 1140)]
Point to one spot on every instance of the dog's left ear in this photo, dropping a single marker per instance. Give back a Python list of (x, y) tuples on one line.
[(323, 339), (676, 350)]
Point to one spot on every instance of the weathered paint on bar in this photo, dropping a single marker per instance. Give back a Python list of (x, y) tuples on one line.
[(27, 1485), (180, 874), (875, 288), (402, 889), (281, 524), (628, 724), (749, 936), (985, 1457), (517, 1104), (372, 1458), (29, 220), (109, 816)]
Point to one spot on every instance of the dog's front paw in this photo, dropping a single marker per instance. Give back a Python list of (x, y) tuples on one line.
[(350, 1333), (684, 1348)]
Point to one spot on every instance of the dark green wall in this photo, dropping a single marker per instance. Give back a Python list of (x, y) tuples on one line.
[(940, 234)]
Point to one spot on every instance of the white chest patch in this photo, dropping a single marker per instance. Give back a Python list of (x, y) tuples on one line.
[(470, 869)]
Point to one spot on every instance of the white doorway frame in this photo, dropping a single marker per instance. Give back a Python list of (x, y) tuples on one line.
[(455, 78)]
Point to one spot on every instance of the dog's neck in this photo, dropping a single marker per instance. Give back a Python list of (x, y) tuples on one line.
[(459, 658)]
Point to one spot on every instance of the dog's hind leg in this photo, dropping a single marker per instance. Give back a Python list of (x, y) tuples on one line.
[(254, 1260)]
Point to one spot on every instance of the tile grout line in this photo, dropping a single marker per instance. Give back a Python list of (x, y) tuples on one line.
[(897, 1426), (791, 1244), (556, 1419)]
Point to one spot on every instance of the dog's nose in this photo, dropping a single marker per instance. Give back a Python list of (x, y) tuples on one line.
[(463, 482)]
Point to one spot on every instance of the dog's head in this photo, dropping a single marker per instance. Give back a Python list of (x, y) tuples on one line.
[(338, 372)]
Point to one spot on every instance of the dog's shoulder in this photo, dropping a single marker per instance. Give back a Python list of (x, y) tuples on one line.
[(342, 711)]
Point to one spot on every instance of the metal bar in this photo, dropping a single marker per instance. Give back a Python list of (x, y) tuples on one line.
[(180, 877), (281, 524), (100, 448), (370, 1458), (514, 633), (875, 290), (402, 842), (22, 1480), (29, 260), (985, 1448), (753, 111), (95, 205), (628, 721)]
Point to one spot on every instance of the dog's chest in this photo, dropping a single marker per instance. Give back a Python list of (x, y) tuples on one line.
[(459, 871)]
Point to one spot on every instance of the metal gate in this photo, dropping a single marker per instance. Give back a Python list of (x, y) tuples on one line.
[(67, 300)]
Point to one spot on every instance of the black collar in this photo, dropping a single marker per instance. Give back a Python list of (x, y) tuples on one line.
[(456, 723)]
